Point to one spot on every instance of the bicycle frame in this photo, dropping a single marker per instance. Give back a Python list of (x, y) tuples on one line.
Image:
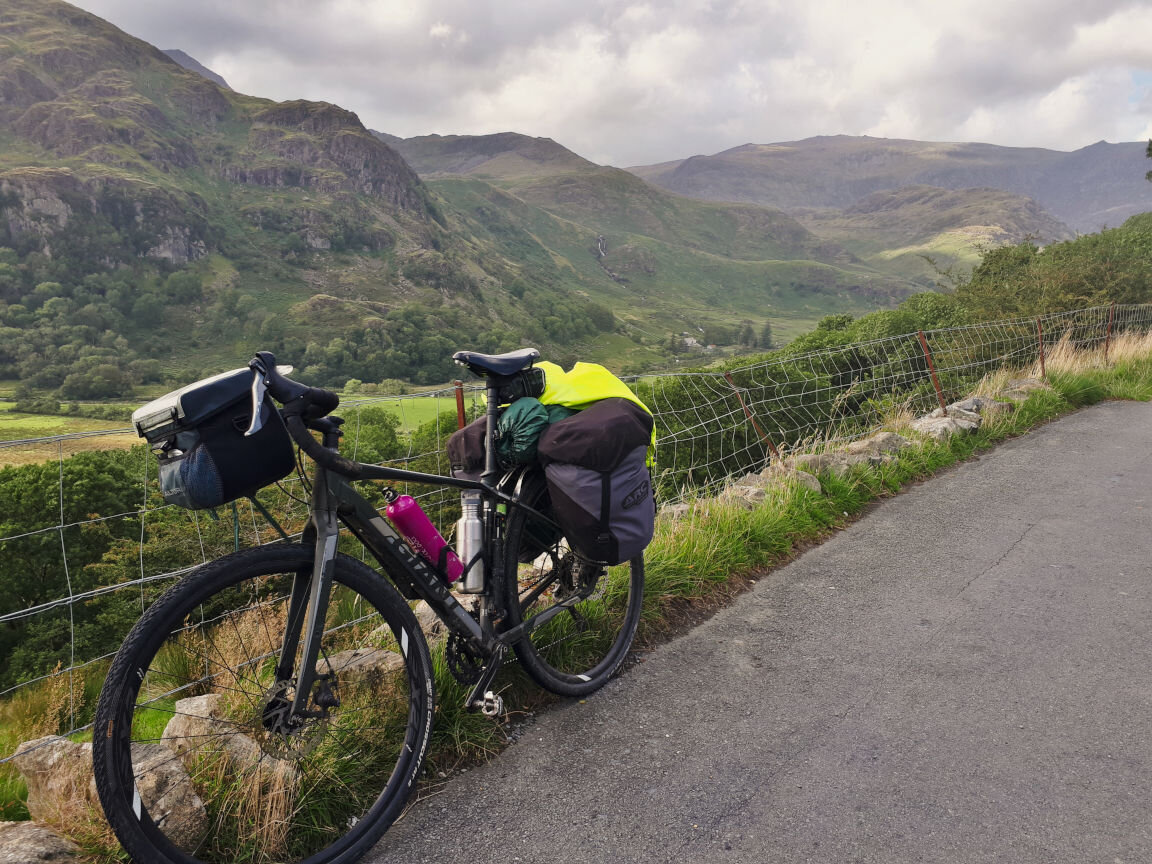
[(335, 501)]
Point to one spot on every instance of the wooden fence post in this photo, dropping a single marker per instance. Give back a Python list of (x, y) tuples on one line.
[(1108, 335), (461, 420), (1040, 338), (751, 419), (932, 369)]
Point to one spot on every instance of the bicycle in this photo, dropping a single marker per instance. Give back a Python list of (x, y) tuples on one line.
[(287, 689)]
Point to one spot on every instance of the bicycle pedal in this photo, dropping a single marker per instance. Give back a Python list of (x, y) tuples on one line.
[(492, 705)]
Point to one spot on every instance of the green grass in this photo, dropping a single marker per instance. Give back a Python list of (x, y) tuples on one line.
[(15, 426)]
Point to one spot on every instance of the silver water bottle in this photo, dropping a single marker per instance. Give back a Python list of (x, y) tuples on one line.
[(470, 542)]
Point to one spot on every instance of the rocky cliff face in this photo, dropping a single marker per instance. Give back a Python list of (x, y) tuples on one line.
[(100, 119)]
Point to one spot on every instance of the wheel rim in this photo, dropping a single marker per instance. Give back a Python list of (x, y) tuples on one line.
[(205, 725), (578, 648)]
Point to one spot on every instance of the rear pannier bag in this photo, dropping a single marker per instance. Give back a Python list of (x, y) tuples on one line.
[(198, 433), (598, 480)]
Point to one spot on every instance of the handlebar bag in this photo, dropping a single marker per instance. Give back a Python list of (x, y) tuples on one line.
[(198, 434), (598, 480)]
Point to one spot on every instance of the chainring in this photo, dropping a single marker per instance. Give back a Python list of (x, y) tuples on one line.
[(464, 664)]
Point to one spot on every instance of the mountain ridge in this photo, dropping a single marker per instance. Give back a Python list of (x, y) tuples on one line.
[(1085, 189)]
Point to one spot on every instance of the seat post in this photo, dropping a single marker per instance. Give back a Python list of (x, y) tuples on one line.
[(491, 470)]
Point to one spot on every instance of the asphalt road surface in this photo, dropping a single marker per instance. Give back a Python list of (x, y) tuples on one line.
[(960, 676)]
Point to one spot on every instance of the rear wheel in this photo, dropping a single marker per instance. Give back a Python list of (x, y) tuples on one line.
[(197, 758), (589, 612)]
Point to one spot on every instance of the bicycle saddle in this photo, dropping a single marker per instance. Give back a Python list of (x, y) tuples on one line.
[(497, 364)]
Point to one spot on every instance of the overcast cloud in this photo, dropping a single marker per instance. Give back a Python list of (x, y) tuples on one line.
[(633, 83)]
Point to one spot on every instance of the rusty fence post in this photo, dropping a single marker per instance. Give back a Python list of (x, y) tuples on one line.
[(751, 419), (932, 369), (461, 420), (1108, 335), (1040, 338)]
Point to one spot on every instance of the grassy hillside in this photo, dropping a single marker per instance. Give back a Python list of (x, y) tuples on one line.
[(917, 230)]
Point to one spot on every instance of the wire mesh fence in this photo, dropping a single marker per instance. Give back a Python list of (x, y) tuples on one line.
[(87, 541)]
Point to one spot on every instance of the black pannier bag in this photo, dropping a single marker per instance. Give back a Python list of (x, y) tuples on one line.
[(598, 480), (198, 433)]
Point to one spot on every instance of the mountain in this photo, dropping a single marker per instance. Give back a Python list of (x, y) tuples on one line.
[(681, 261), (194, 65), (503, 155), (1085, 189), (917, 231), (154, 224)]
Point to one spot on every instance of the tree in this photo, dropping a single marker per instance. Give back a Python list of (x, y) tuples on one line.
[(766, 336)]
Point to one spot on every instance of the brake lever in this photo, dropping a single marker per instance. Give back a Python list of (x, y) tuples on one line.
[(259, 388)]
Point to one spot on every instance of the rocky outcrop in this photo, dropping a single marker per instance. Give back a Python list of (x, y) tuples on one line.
[(105, 109), (38, 204), (29, 842), (21, 87), (320, 146)]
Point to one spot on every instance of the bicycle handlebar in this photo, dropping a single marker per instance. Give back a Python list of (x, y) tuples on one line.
[(311, 403)]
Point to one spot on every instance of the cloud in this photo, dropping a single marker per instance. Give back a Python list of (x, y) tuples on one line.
[(628, 83)]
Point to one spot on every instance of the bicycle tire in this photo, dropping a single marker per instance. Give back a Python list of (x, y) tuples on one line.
[(322, 793), (579, 650)]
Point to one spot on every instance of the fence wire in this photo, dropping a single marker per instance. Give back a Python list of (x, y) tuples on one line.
[(87, 541)]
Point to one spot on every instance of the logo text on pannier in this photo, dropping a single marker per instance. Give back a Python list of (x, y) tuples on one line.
[(637, 495)]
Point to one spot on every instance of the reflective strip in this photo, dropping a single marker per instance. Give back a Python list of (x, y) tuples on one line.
[(583, 677), (404, 643), (135, 800), (330, 547)]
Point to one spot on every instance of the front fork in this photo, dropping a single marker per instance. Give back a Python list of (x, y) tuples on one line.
[(311, 592)]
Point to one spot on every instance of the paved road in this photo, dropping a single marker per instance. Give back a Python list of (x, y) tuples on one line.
[(960, 676)]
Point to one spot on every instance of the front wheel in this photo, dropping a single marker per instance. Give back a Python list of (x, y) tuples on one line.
[(197, 758), (582, 644)]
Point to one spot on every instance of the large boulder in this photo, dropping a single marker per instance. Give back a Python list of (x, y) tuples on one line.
[(785, 476), (167, 793), (428, 620), (1019, 389), (58, 773), (878, 444), (836, 464), (985, 406), (942, 428), (199, 724), (358, 664), (29, 842)]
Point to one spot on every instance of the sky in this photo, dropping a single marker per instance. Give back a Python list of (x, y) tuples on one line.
[(633, 83)]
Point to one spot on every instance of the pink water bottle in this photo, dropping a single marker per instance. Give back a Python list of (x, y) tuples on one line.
[(411, 521)]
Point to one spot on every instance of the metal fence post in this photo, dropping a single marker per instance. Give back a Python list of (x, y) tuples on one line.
[(751, 419), (461, 420), (932, 369)]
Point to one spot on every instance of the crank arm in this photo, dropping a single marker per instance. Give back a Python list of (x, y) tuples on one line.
[(480, 699)]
